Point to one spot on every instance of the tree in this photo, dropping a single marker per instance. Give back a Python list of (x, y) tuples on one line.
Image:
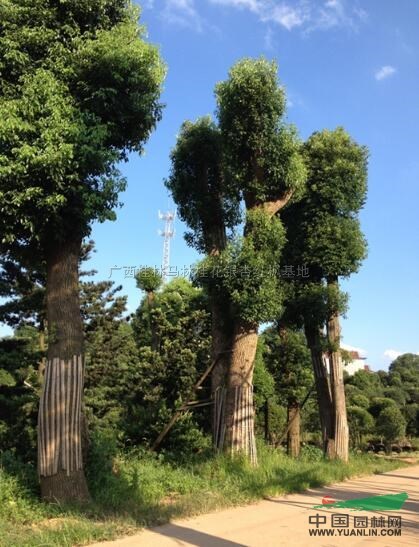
[(360, 422), (19, 392), (337, 180), (210, 210), (150, 280), (165, 375), (404, 373), (111, 356), (288, 359), (256, 159), (263, 164), (79, 90), (332, 245), (391, 425)]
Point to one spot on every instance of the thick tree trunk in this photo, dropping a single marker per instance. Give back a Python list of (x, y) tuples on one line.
[(216, 241), (60, 462), (324, 395), (237, 433), (340, 425), (293, 437)]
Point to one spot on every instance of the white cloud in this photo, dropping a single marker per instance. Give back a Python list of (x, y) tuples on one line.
[(308, 14), (384, 72), (392, 354), (286, 16), (182, 13), (253, 5)]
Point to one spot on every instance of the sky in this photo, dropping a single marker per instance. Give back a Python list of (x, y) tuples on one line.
[(342, 63)]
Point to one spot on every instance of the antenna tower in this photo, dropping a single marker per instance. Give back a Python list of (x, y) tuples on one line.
[(167, 233)]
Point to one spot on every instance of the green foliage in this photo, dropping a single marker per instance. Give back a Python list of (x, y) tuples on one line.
[(337, 167), (135, 489), (24, 291), (334, 245), (262, 155), (391, 424), (404, 372), (369, 384), (245, 270), (359, 400), (323, 229), (79, 88), (196, 182), (148, 279), (288, 359), (360, 422), (165, 375), (19, 393), (265, 393), (310, 453), (336, 190), (263, 380), (311, 303), (378, 404)]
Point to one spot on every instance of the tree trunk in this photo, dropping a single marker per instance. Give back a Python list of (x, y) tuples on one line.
[(221, 344), (238, 434), (42, 348), (341, 431), (293, 437), (60, 462), (324, 395)]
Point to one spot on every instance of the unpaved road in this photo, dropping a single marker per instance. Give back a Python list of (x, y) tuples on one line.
[(285, 520)]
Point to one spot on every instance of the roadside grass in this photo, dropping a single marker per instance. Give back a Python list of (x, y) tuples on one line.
[(136, 489)]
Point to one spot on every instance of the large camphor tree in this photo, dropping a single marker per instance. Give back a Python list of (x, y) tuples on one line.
[(264, 165), (210, 210), (327, 235), (79, 90), (252, 158)]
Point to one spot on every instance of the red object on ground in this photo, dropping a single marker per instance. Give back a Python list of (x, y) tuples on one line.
[(327, 500)]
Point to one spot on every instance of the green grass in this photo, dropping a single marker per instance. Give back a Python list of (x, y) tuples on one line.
[(140, 489)]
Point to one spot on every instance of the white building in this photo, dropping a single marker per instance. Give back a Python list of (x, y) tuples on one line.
[(358, 360)]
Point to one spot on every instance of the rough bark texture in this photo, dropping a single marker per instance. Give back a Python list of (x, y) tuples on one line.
[(293, 437), (324, 395), (42, 348), (221, 344), (215, 243), (60, 462), (237, 435), (340, 425)]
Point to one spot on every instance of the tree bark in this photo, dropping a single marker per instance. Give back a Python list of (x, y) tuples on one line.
[(216, 242), (60, 462), (324, 395), (220, 352), (238, 434), (42, 348), (340, 425), (293, 437)]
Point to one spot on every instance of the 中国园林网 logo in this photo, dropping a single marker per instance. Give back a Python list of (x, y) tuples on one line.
[(386, 502)]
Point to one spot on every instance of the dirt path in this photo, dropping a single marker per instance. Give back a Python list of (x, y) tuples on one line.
[(285, 520)]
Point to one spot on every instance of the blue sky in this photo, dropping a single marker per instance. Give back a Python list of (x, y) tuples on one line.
[(342, 63)]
